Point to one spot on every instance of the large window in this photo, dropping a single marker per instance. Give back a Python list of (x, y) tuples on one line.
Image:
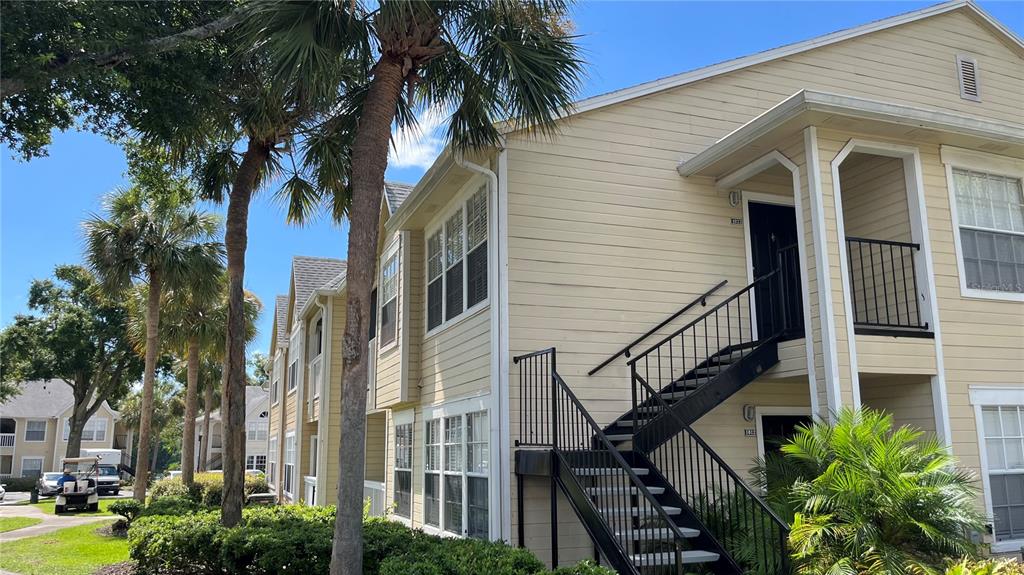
[(457, 261), (456, 494), (403, 470), (272, 460), (288, 474), (1004, 450), (256, 462), (35, 430), (95, 429), (389, 300), (31, 466), (256, 431), (990, 210)]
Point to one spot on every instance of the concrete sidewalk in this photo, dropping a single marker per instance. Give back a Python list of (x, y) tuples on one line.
[(50, 522)]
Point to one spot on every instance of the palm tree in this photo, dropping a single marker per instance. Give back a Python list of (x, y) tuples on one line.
[(874, 499), (154, 236), (480, 61)]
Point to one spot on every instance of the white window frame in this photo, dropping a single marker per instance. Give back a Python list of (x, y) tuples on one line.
[(285, 471), (29, 422), (990, 396), (272, 462), (392, 251), (253, 430), (437, 225), (25, 458), (93, 422), (405, 418), (462, 409), (314, 454), (979, 162), (252, 463), (294, 362), (275, 380)]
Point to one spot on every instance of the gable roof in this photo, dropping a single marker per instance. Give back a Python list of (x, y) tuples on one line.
[(281, 319), (727, 66), (310, 274), (255, 397), (43, 398), (395, 194)]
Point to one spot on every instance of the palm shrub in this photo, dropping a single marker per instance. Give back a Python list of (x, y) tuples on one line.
[(987, 567), (883, 501)]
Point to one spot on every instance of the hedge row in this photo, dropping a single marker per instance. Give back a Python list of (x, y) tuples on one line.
[(206, 489), (297, 539)]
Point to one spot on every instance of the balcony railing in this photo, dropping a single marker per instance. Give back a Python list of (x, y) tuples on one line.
[(374, 492), (883, 284), (6, 440), (309, 493)]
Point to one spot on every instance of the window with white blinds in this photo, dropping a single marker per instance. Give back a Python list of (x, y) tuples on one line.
[(1003, 426), (457, 260), (990, 210), (389, 300), (455, 486), (403, 470)]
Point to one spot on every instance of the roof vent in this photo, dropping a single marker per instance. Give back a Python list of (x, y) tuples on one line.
[(967, 71)]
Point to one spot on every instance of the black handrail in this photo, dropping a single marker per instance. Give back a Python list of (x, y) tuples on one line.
[(883, 283), (701, 299), (580, 442)]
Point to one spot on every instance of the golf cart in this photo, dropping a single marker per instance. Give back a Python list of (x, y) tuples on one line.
[(79, 494)]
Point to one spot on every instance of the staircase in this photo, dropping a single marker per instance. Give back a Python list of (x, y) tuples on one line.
[(653, 496)]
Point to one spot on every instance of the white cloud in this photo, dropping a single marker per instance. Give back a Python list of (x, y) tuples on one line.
[(418, 146)]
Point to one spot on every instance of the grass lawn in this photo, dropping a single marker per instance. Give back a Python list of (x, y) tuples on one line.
[(72, 551), (12, 523), (47, 506)]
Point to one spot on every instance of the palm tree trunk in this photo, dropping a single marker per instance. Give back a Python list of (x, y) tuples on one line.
[(188, 440), (232, 405), (369, 161), (204, 447), (148, 381)]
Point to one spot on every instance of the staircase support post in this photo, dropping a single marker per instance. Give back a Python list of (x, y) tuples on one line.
[(521, 527), (554, 463), (554, 523)]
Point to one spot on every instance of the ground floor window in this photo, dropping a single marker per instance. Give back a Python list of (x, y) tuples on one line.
[(256, 463), (272, 461), (403, 470), (456, 473), (289, 464), (31, 466), (1003, 430)]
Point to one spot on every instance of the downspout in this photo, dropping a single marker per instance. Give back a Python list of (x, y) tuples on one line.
[(325, 306), (498, 360)]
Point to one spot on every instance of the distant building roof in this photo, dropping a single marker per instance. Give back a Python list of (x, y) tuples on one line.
[(254, 397), (311, 274), (42, 398), (395, 193), (281, 319)]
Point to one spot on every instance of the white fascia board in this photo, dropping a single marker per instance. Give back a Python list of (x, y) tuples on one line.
[(812, 101)]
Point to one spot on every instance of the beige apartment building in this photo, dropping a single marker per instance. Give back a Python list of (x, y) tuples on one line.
[(583, 343), (34, 429), (257, 421)]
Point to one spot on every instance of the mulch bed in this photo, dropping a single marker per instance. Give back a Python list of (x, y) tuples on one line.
[(126, 568)]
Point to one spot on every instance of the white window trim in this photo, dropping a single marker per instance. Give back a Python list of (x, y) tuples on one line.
[(462, 408), (24, 458), (284, 464), (393, 249), (407, 417), (991, 396), (437, 223), (272, 458), (25, 438), (277, 373), (66, 429), (953, 157)]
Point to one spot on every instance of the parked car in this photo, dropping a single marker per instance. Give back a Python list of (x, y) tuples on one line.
[(3, 491), (47, 484)]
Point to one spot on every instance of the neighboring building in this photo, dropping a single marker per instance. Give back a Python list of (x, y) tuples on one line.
[(257, 405), (34, 429), (860, 193)]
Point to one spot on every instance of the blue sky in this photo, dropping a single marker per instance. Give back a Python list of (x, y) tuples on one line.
[(43, 202)]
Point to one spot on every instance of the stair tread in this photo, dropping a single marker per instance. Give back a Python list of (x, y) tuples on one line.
[(669, 510), (620, 437), (669, 557), (612, 490), (658, 534)]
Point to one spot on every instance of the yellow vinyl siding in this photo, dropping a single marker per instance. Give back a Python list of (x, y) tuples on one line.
[(894, 355), (327, 483), (389, 356), (907, 398)]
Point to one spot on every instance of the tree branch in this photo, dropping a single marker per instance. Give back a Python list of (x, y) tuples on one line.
[(64, 66)]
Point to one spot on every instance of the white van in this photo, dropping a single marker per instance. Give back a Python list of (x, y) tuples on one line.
[(109, 480)]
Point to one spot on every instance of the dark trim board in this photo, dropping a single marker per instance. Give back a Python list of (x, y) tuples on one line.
[(918, 333)]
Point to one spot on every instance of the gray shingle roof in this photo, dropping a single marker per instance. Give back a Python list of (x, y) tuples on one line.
[(254, 397), (281, 318), (40, 398), (335, 282), (311, 274), (395, 193)]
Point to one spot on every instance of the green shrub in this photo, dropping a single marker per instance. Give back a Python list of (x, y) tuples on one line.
[(19, 483), (583, 568), (171, 505), (127, 508), (989, 567), (297, 539), (206, 488)]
